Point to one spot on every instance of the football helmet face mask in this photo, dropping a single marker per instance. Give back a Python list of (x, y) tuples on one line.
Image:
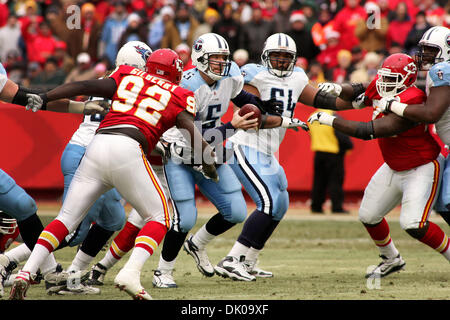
[(397, 73), (165, 64), (133, 53), (434, 47), (207, 46), (8, 225), (279, 54)]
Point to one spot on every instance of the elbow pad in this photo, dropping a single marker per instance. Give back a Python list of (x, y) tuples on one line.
[(365, 131), (324, 100)]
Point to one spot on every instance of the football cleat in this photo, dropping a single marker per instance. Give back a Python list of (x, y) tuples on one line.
[(231, 267), (163, 279), (95, 277), (76, 287), (56, 280), (128, 280), (20, 286), (387, 266), (253, 269), (200, 257)]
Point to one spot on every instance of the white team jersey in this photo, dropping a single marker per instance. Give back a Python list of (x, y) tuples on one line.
[(87, 128), (286, 89), (439, 75), (3, 77), (212, 101)]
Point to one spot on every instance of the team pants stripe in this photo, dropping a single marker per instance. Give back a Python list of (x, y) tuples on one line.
[(430, 201), (256, 181), (176, 214), (159, 189)]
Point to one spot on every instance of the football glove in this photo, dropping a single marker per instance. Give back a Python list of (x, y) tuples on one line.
[(332, 88), (358, 103), (391, 104), (94, 107), (271, 106), (322, 118), (293, 123), (35, 101)]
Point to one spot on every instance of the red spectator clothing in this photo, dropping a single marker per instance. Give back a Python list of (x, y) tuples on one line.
[(4, 14), (345, 23), (411, 148), (26, 21), (102, 11), (40, 48), (268, 14), (328, 57), (398, 32), (339, 75), (152, 105), (412, 8), (435, 16)]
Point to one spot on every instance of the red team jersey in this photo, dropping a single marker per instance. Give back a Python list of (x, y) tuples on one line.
[(411, 148), (149, 103)]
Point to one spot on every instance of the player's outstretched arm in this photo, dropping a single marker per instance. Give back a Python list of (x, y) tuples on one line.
[(185, 120), (386, 126), (437, 103), (322, 99)]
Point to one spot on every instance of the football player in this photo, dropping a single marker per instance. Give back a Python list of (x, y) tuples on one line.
[(434, 57), (412, 170), (144, 105), (215, 82), (14, 199)]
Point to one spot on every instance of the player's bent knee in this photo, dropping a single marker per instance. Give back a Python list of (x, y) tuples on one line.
[(25, 205), (417, 232), (368, 219), (237, 210), (187, 215), (281, 205)]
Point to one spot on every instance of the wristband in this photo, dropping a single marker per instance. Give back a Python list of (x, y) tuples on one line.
[(396, 107), (76, 106)]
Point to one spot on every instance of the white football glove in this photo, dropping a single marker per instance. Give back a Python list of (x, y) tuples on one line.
[(329, 87), (94, 107), (35, 102), (293, 123), (358, 103), (391, 104), (322, 118)]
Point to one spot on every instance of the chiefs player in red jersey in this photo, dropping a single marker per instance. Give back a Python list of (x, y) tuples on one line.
[(144, 105), (411, 173), (9, 231)]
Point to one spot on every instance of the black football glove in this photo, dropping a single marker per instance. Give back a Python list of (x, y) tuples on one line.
[(271, 106)]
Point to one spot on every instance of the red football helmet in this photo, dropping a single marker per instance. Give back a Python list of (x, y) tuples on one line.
[(165, 64), (397, 73)]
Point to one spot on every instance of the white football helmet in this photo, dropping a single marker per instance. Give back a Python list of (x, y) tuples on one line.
[(134, 53), (207, 45), (279, 42), (435, 37), (8, 224)]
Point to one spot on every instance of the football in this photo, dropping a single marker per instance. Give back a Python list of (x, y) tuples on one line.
[(251, 108)]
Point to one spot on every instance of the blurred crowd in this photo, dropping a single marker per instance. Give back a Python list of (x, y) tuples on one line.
[(45, 43)]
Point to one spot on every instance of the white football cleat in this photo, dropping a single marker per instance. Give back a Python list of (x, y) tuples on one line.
[(200, 256), (20, 286), (252, 268), (76, 287), (387, 266), (56, 280), (128, 280), (96, 277), (163, 279), (231, 267)]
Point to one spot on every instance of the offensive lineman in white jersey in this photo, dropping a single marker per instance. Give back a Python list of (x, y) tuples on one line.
[(434, 57)]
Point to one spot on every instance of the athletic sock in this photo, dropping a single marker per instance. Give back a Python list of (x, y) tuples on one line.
[(436, 239), (380, 234), (30, 229), (172, 244)]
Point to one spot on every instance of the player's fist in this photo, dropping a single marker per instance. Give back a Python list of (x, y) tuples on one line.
[(208, 167), (322, 118), (293, 123), (358, 103), (35, 102), (94, 107), (332, 88)]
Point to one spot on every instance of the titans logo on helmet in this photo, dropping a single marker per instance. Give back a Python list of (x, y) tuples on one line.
[(198, 45), (143, 52)]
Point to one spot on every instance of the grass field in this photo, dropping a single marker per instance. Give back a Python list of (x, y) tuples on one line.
[(320, 257)]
